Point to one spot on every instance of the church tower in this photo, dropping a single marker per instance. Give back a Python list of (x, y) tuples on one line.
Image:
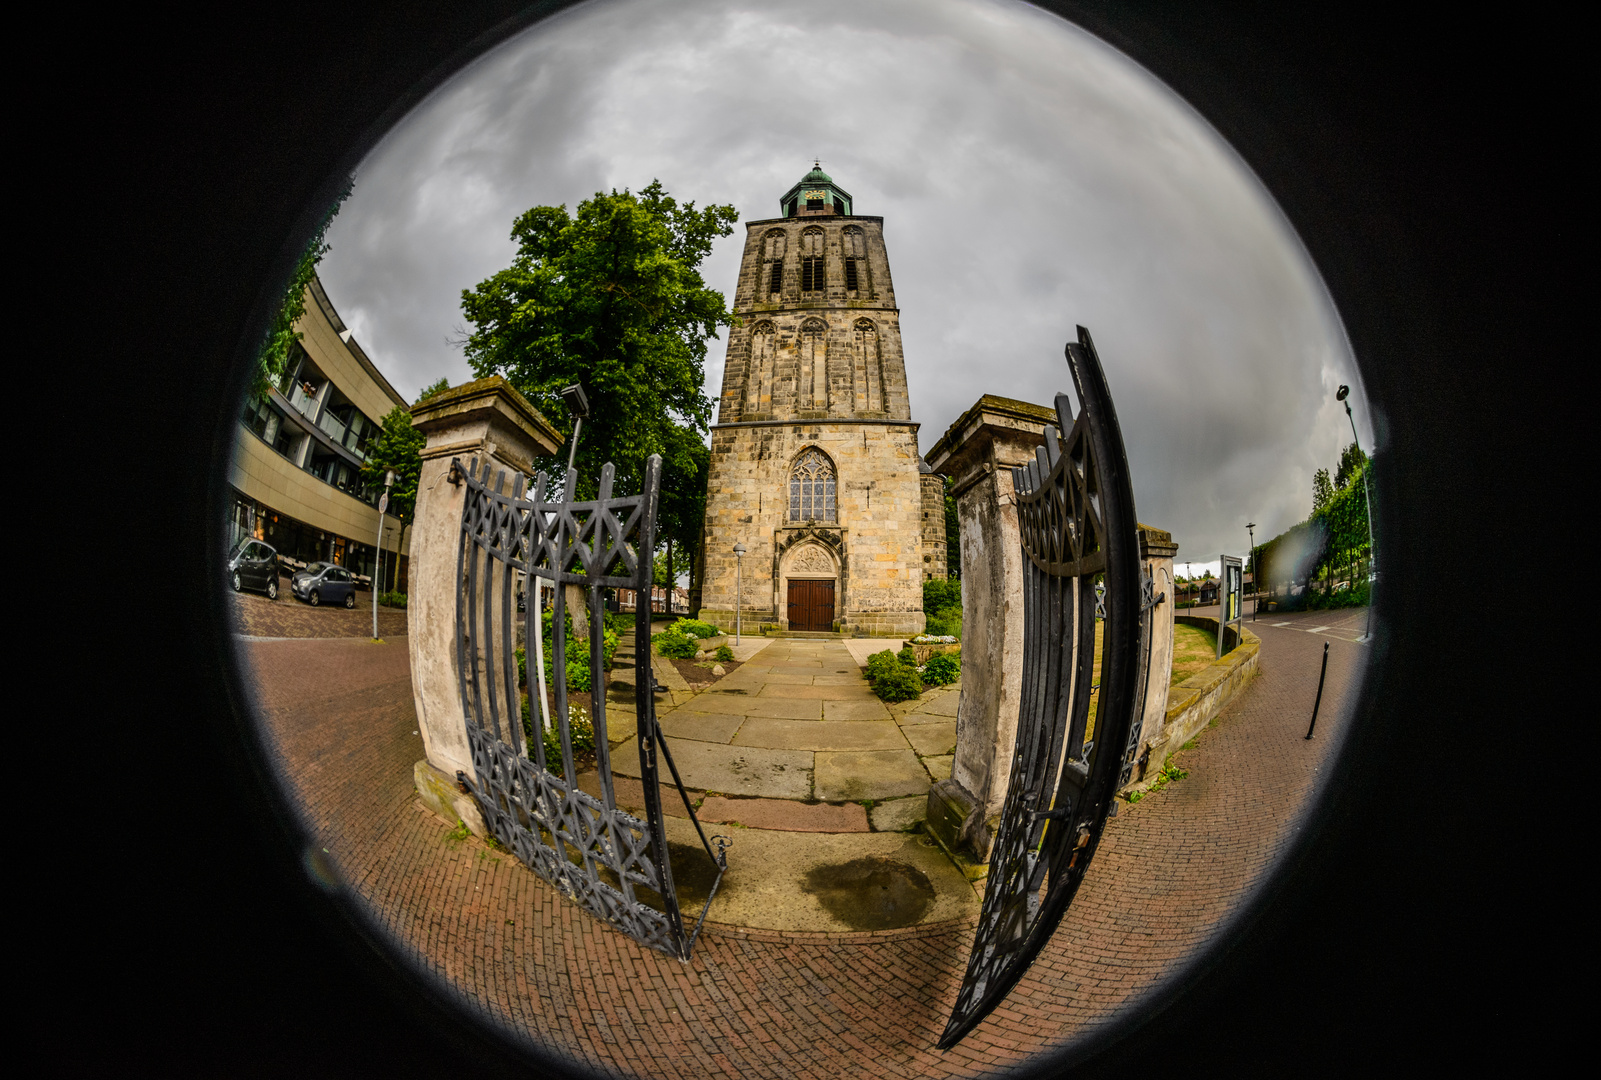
[(814, 463)]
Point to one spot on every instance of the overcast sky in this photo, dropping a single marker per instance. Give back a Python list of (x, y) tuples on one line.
[(1030, 178)]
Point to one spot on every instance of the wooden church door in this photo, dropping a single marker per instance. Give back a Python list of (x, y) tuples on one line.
[(811, 605)]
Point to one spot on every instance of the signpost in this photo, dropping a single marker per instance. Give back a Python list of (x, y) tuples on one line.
[(1231, 590), (378, 561)]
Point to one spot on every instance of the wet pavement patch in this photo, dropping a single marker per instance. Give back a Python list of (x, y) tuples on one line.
[(872, 893)]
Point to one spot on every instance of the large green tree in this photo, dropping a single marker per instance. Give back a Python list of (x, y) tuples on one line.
[(611, 298), (398, 446)]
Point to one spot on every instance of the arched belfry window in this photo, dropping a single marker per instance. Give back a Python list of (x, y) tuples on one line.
[(773, 256), (759, 371), (811, 488), (813, 276), (867, 369), (855, 245)]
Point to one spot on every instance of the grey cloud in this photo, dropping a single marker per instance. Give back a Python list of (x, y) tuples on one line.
[(1030, 178)]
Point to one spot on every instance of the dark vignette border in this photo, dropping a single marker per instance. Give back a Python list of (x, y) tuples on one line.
[(1435, 206)]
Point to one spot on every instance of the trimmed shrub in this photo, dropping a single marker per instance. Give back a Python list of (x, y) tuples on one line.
[(694, 628), (676, 645), (907, 656), (724, 654), (392, 599), (899, 684), (880, 664), (942, 669)]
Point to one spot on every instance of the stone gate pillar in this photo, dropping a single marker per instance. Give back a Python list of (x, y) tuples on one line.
[(486, 419), (978, 453)]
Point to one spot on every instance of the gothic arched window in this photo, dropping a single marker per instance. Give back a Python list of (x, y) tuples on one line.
[(867, 373), (811, 391), (774, 256), (855, 244), (759, 371), (811, 488), (813, 275)]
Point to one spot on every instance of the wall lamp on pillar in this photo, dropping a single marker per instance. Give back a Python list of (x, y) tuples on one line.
[(578, 408)]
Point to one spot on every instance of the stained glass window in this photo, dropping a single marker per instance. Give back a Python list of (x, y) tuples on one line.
[(811, 489)]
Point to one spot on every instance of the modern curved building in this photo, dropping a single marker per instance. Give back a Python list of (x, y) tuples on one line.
[(296, 472)]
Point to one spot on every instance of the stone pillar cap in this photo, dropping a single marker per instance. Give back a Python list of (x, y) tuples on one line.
[(485, 399), (1156, 543), (990, 415)]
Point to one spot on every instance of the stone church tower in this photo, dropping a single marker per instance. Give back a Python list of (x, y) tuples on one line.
[(814, 463)]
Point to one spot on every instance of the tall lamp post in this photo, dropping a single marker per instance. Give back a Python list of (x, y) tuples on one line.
[(1256, 574), (578, 408), (378, 563), (1373, 554), (739, 587)]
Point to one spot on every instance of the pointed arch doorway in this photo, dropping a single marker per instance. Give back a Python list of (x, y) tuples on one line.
[(810, 580)]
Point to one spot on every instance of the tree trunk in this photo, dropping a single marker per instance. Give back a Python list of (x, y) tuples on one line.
[(697, 574)]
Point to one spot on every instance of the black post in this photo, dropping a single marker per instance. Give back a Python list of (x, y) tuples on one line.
[(1319, 699)]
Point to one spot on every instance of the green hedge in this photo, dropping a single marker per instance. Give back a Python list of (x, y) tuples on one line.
[(678, 646), (942, 669), (694, 628)]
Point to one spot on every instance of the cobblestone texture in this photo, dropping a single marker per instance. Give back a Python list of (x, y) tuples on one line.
[(1169, 872)]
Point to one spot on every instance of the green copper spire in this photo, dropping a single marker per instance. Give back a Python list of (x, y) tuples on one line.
[(815, 195)]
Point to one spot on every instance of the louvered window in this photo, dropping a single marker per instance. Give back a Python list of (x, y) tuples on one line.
[(850, 274), (777, 282), (812, 273), (814, 204)]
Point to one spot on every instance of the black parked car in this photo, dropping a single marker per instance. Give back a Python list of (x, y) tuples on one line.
[(324, 583), (254, 565)]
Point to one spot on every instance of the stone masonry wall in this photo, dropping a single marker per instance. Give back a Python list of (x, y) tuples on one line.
[(878, 589), (934, 554)]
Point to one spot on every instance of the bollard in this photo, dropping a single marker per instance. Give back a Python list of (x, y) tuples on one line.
[(1319, 699)]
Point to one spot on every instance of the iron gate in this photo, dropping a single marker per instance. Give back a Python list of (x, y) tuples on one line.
[(1075, 510), (601, 857)]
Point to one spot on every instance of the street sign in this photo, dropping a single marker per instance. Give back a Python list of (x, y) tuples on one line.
[(383, 502)]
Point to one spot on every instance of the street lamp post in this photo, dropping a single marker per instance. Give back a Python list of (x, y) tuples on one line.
[(739, 587), (1256, 572), (378, 562), (1373, 553)]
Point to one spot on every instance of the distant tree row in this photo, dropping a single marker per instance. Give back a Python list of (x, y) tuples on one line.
[(1332, 541)]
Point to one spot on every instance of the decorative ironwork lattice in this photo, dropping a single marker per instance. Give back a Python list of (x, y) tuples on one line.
[(1075, 509), (811, 488), (601, 857)]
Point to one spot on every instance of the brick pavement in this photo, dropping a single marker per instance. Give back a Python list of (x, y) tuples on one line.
[(1168, 875), (256, 616)]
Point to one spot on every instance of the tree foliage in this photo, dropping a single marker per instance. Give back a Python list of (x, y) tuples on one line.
[(273, 358), (953, 533), (1322, 490), (611, 298), (397, 446), (1351, 460)]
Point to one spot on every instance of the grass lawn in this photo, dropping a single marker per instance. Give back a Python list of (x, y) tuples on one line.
[(1193, 650)]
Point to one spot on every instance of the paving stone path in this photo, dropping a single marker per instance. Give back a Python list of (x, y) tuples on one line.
[(797, 721), (766, 1003)]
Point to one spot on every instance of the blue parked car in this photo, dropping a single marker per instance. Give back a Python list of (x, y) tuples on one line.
[(324, 583)]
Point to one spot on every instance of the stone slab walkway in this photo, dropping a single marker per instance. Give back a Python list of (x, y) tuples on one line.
[(797, 721)]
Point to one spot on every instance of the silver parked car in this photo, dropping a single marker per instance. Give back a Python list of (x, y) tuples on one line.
[(324, 583)]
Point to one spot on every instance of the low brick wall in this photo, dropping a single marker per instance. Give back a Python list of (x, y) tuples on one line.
[(1196, 701)]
